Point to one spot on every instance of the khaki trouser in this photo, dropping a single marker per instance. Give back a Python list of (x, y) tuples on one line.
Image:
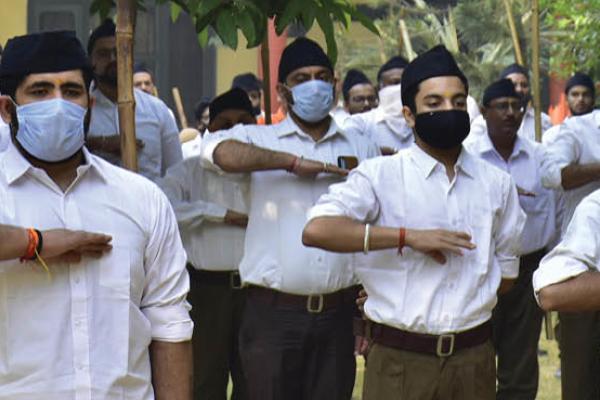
[(393, 374)]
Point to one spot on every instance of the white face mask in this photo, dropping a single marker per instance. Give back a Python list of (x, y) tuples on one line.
[(312, 100), (51, 130), (390, 101)]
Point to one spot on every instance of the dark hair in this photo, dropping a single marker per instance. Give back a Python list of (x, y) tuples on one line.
[(409, 99), (200, 107)]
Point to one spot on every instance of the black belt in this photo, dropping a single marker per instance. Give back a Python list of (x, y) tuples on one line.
[(217, 278), (532, 260), (443, 345), (314, 304)]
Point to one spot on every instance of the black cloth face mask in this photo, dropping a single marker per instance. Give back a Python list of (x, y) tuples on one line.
[(443, 129)]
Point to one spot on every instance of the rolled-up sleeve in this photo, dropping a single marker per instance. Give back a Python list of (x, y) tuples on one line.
[(579, 250), (354, 198), (561, 152), (211, 141), (167, 282), (507, 234)]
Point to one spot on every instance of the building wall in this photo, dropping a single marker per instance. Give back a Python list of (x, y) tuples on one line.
[(13, 19)]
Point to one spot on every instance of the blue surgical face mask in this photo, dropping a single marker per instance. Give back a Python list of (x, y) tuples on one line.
[(51, 130), (312, 100)]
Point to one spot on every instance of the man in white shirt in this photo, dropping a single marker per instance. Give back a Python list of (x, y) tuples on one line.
[(211, 211), (156, 130), (296, 337), (517, 319), (572, 163), (359, 94), (109, 327), (385, 124), (581, 96), (431, 204), (520, 77), (568, 281)]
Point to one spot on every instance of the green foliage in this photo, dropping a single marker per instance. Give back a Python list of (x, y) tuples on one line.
[(226, 17), (574, 33)]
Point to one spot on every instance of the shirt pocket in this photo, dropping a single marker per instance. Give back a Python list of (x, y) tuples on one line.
[(111, 311)]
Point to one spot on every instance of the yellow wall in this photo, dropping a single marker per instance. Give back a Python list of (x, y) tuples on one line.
[(13, 19), (231, 63)]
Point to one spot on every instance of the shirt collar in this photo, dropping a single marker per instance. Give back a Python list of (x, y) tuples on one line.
[(428, 164), (289, 127), (486, 146), (15, 165)]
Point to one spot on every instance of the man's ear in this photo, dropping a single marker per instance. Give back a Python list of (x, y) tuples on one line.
[(483, 111), (284, 93), (7, 108), (408, 116)]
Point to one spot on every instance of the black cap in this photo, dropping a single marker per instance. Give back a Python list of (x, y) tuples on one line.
[(141, 67), (247, 82), (581, 79), (302, 52), (434, 62), (234, 99), (106, 29), (514, 69), (43, 52), (353, 77), (393, 63), (501, 88)]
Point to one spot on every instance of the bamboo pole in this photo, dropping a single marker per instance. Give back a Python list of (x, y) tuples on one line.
[(537, 108), (179, 107), (266, 67), (513, 33), (409, 52), (126, 10)]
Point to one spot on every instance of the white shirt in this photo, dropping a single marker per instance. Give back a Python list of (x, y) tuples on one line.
[(384, 130), (340, 115), (84, 332), (201, 198), (579, 250), (274, 255), (578, 142), (472, 108), (4, 135), (153, 125), (411, 189), (192, 148), (542, 226), (526, 130)]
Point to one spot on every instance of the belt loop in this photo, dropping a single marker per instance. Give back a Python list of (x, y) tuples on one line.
[(235, 281), (309, 304)]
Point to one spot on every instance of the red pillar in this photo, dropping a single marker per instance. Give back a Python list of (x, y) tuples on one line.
[(276, 46), (559, 109)]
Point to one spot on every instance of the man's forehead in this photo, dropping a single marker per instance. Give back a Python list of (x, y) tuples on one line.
[(445, 86), (580, 89), (362, 88), (310, 70), (107, 42), (57, 78), (517, 77), (392, 72), (506, 99)]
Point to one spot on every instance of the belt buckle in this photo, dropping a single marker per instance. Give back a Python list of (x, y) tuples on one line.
[(310, 304), (235, 281), (440, 345)]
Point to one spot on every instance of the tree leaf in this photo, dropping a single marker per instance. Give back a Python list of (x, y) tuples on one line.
[(226, 29), (175, 11), (203, 37), (325, 22)]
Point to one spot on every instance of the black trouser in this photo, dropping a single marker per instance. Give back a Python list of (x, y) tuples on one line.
[(217, 312), (517, 322), (580, 355), (289, 353)]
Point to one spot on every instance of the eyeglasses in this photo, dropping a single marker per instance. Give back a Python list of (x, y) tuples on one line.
[(504, 106), (363, 99)]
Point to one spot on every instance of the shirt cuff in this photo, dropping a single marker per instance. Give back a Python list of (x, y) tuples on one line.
[(509, 267), (207, 150), (552, 178), (170, 323), (555, 270)]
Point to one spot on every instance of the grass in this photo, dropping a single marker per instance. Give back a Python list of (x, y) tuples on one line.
[(549, 388)]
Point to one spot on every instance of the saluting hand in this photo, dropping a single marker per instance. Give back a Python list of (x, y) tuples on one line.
[(435, 242), (70, 246), (310, 168)]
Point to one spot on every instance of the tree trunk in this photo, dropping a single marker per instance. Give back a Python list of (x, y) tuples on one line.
[(126, 11)]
